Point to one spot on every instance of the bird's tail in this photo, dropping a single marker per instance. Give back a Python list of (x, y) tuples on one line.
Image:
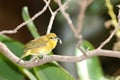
[(25, 54)]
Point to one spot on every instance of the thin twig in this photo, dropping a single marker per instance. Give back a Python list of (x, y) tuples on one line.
[(26, 22), (83, 5), (53, 14), (113, 33), (109, 38), (66, 16)]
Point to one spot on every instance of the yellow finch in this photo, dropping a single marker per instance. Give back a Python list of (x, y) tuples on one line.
[(42, 45)]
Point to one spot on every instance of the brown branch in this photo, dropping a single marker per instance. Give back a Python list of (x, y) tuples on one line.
[(30, 64), (83, 5), (26, 22), (109, 38), (66, 16), (53, 14), (113, 33)]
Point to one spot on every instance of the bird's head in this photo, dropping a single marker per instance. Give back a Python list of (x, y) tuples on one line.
[(53, 37)]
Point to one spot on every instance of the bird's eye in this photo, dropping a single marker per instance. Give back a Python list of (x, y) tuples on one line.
[(51, 37)]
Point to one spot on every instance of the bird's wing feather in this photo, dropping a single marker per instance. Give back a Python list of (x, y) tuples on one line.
[(39, 42)]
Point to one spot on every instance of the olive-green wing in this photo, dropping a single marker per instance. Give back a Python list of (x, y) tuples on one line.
[(39, 42)]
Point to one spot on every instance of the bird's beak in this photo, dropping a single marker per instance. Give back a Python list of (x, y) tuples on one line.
[(60, 41)]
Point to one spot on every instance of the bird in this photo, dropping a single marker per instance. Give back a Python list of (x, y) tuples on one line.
[(41, 46)]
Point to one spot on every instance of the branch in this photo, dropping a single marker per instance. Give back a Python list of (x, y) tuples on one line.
[(109, 38), (83, 6), (66, 16), (53, 14), (30, 64), (47, 2), (113, 33)]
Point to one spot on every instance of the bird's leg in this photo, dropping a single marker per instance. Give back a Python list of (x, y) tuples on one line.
[(40, 56), (45, 56), (34, 58)]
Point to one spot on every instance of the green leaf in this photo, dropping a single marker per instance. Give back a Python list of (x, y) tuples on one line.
[(30, 25), (8, 73), (52, 71), (89, 69), (8, 70)]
